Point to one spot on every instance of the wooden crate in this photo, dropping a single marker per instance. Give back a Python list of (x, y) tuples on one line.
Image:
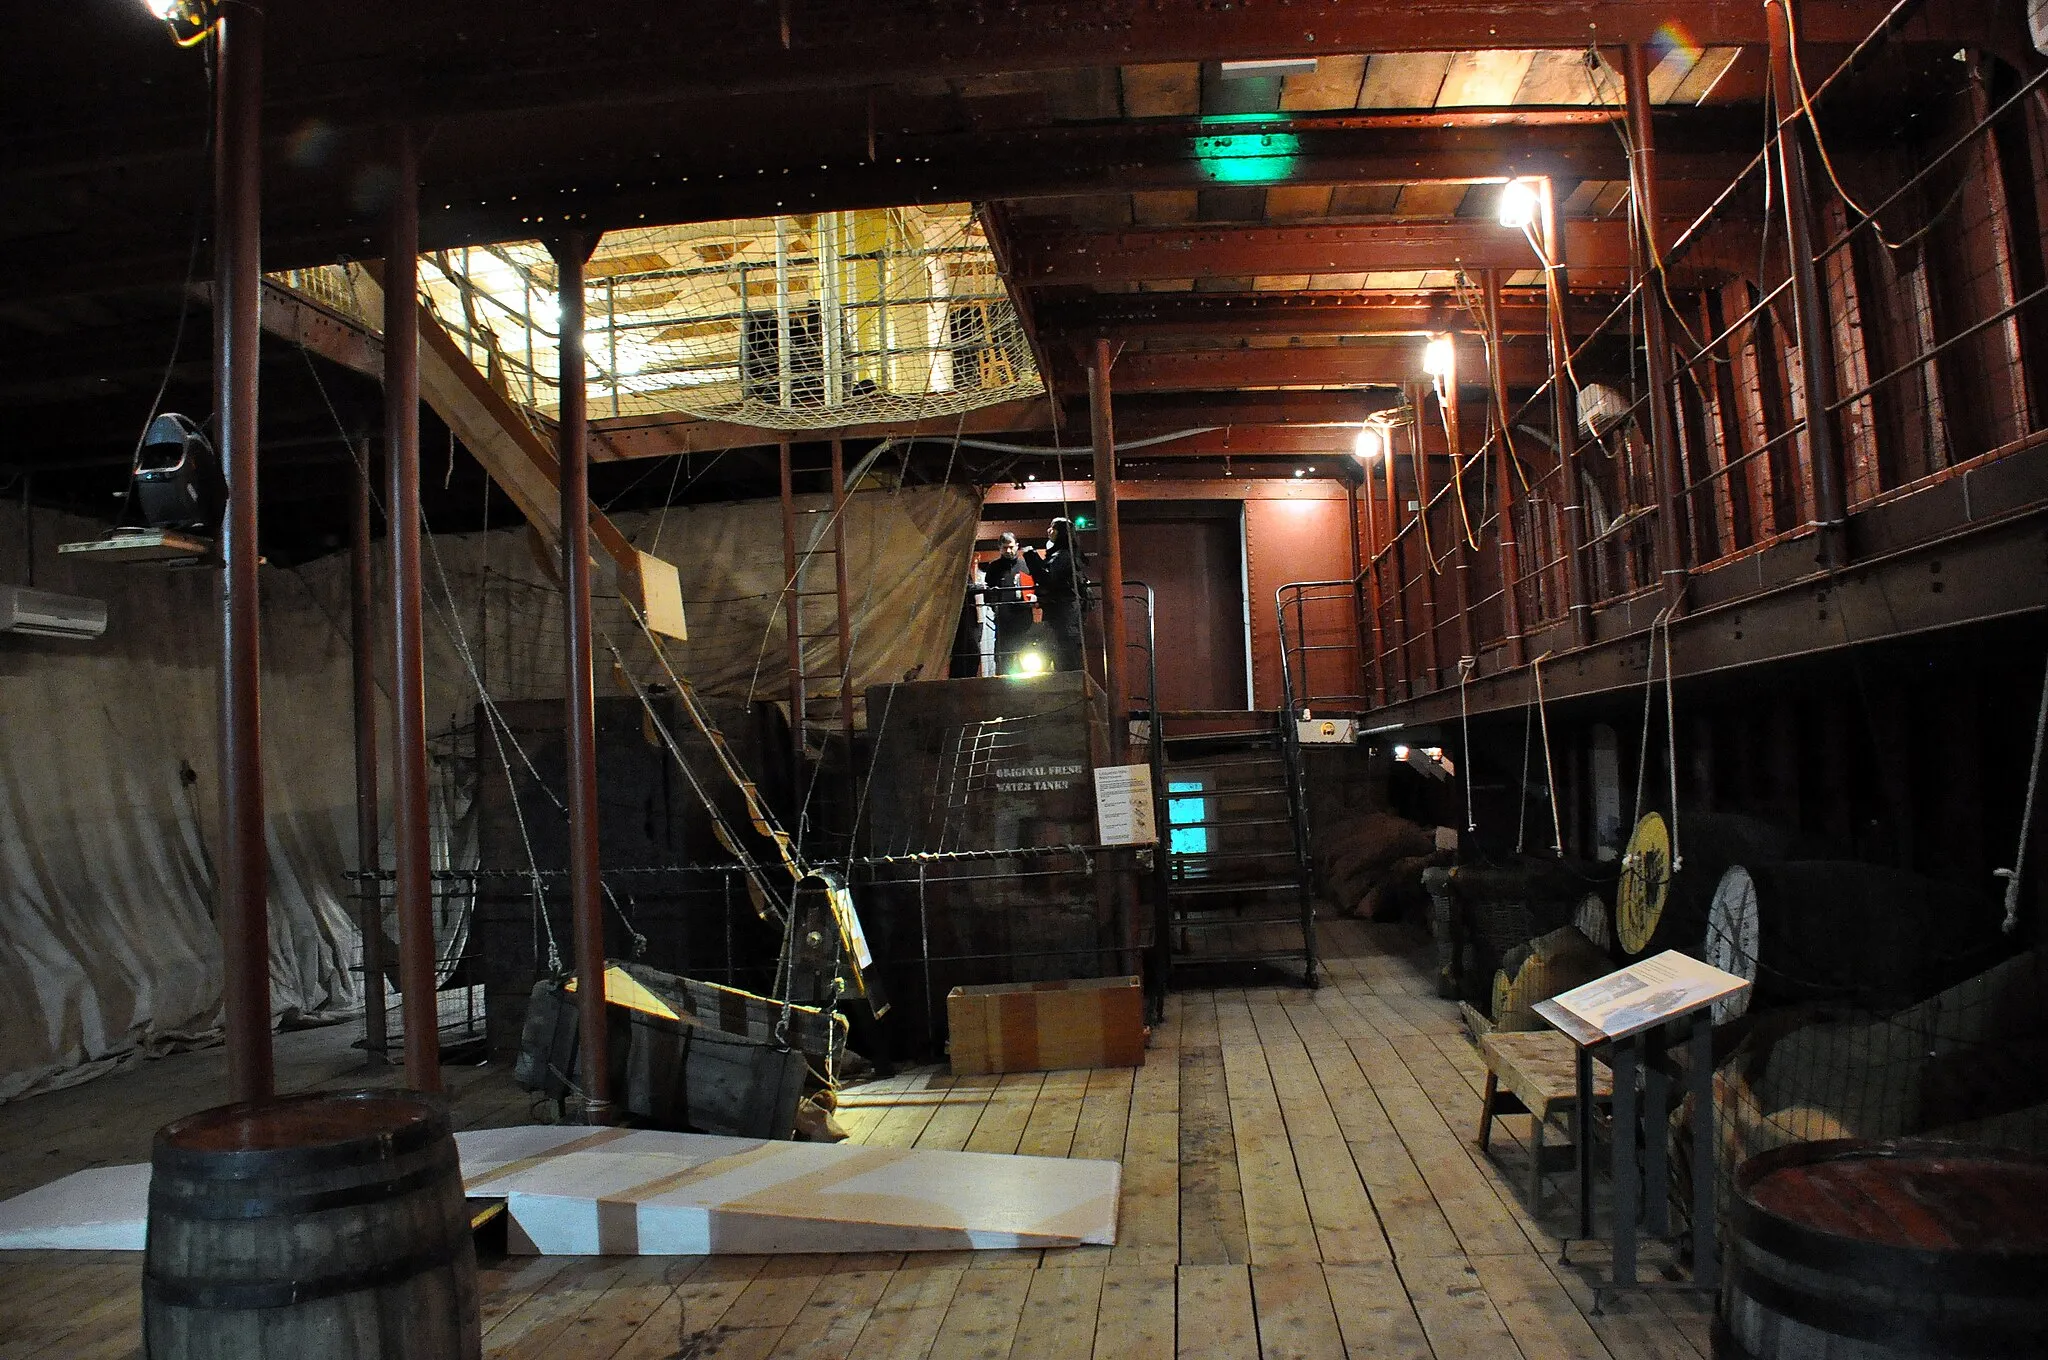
[(1043, 1026)]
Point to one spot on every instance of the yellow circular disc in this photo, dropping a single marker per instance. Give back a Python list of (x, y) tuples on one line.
[(1645, 879), (1501, 987)]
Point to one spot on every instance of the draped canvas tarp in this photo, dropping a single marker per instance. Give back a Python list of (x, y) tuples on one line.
[(109, 764)]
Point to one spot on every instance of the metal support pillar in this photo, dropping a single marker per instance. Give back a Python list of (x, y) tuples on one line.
[(1403, 635), (842, 602), (793, 619), (586, 889), (1504, 481), (1461, 550), (413, 891), (1103, 429), (1374, 639), (363, 653), (1432, 662), (1810, 307), (1671, 553), (1557, 292), (238, 271)]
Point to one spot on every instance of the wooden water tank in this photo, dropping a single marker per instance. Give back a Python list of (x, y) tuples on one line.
[(1856, 1250), (320, 1227)]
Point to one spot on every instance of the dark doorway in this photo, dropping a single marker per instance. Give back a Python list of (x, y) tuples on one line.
[(1191, 554)]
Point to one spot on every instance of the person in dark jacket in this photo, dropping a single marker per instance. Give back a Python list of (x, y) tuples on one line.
[(1061, 573), (1007, 586)]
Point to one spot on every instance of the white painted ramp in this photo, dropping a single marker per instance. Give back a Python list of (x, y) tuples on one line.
[(657, 1194), (577, 1191), (98, 1210)]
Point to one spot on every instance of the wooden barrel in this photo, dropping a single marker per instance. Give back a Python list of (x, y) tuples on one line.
[(320, 1227), (1855, 1250)]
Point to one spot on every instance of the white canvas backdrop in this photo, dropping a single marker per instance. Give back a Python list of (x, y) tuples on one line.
[(109, 760)]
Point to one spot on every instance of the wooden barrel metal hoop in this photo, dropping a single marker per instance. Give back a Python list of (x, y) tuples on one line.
[(1857, 1250), (330, 1225)]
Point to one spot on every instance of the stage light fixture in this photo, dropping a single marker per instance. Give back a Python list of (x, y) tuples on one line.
[(1369, 445), (1518, 203), (1439, 359), (189, 20)]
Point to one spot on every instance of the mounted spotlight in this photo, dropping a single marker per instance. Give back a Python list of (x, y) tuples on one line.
[(1518, 204), (1369, 445), (1031, 661), (178, 482), (189, 20), (1440, 358)]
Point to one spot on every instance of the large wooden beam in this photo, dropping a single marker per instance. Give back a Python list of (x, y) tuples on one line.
[(1042, 258), (1378, 364), (1151, 316)]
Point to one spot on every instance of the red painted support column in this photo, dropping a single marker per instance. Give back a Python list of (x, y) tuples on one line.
[(1375, 638), (238, 275), (1510, 550), (413, 889), (1671, 555), (1810, 305), (1103, 429), (1565, 405), (362, 613), (586, 889), (1432, 662), (793, 630), (1403, 634), (1461, 550)]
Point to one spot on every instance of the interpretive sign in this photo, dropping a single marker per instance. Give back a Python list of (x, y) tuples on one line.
[(1646, 993), (1123, 805)]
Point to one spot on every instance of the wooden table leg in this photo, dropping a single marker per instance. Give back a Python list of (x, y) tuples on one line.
[(1486, 1109)]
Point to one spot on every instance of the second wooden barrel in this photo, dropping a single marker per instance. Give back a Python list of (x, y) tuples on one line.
[(319, 1227), (1857, 1250)]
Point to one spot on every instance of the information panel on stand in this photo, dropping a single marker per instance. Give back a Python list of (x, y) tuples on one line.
[(1635, 998)]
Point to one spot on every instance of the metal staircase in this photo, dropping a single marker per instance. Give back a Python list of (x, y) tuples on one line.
[(1237, 885)]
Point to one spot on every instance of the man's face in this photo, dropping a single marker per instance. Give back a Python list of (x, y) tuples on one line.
[(1009, 545)]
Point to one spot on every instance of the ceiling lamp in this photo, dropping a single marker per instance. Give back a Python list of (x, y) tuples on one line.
[(1518, 204), (1439, 358), (1369, 445), (190, 20)]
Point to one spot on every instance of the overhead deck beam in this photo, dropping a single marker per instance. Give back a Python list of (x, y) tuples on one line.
[(1145, 316), (1380, 364), (567, 54), (1045, 258)]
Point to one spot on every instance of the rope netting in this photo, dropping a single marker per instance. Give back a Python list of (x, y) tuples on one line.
[(802, 322)]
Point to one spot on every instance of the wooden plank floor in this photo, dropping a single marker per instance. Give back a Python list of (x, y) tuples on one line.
[(1299, 1181)]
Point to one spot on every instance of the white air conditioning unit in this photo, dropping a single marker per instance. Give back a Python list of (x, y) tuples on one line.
[(45, 614)]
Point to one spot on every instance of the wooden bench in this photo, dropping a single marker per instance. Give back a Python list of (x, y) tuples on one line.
[(1535, 1072)]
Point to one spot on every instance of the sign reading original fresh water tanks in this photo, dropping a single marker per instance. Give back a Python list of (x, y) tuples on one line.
[(1046, 778)]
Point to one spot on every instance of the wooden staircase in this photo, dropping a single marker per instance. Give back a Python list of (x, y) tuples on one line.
[(1237, 886)]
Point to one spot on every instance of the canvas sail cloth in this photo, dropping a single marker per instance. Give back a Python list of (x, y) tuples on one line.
[(109, 764)]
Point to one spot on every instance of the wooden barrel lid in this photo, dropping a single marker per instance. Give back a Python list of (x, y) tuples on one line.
[(324, 1129), (1916, 1195)]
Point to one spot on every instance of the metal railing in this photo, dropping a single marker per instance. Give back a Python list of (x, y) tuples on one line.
[(1919, 317)]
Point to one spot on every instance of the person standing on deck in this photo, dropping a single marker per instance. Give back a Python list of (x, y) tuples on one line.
[(1007, 582), (1061, 575)]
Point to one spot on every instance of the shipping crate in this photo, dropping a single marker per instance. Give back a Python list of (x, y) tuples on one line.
[(1043, 1026)]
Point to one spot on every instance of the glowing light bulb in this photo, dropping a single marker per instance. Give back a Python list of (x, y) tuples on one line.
[(162, 9), (1031, 663), (1439, 359), (1301, 472), (1518, 204), (1400, 753), (1369, 445)]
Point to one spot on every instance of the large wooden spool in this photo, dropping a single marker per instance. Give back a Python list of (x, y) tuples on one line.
[(321, 1227), (1658, 909), (1855, 1250), (1847, 933)]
